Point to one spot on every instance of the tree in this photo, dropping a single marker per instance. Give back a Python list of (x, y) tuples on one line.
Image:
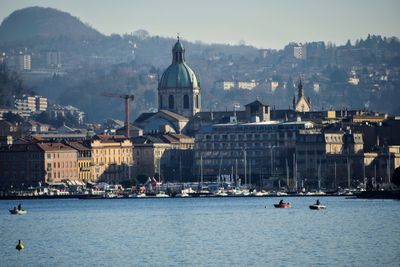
[(396, 176), (11, 117)]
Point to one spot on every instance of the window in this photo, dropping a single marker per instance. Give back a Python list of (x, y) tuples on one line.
[(186, 101), (197, 101), (171, 102), (161, 102)]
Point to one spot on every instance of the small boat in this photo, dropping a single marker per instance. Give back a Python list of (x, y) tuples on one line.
[(161, 194), (140, 195), (283, 205), (317, 207), (17, 212)]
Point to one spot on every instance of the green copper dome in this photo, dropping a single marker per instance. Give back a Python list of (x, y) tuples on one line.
[(178, 74)]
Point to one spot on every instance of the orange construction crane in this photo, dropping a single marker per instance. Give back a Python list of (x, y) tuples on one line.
[(128, 99)]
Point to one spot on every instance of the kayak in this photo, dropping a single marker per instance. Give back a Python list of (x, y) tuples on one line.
[(18, 212), (317, 207)]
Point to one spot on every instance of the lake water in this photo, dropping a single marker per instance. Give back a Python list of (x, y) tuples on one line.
[(201, 232)]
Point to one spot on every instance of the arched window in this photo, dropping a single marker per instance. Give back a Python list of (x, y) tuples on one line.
[(186, 101), (161, 102), (197, 101), (171, 102)]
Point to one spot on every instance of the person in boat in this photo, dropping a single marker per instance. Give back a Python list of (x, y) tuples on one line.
[(317, 203), (19, 206), (281, 202)]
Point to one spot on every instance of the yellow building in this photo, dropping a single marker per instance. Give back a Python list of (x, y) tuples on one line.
[(84, 161), (112, 158)]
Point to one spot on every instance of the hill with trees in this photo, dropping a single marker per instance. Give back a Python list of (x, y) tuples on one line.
[(132, 63)]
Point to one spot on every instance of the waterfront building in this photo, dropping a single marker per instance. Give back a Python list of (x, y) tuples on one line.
[(21, 164), (247, 150), (112, 158), (60, 162), (84, 160), (179, 88), (165, 155), (317, 152)]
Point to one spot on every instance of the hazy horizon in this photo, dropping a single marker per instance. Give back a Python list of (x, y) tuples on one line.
[(263, 24)]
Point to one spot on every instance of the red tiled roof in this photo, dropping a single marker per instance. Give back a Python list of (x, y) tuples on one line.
[(54, 147)]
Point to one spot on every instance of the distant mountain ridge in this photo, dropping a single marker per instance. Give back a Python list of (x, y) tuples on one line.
[(39, 22)]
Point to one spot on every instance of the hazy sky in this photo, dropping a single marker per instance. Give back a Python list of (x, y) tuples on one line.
[(262, 23)]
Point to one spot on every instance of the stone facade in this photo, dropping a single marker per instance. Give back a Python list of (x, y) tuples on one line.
[(112, 158), (168, 156), (60, 162), (21, 165)]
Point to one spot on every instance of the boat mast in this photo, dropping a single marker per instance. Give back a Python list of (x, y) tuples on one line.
[(250, 174), (319, 175), (159, 169), (295, 171), (335, 177), (287, 174), (236, 166), (219, 171), (348, 173), (245, 167), (270, 149), (180, 169), (388, 166), (201, 171)]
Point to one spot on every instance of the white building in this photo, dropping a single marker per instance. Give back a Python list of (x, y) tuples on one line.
[(30, 104), (300, 51), (249, 85), (228, 85), (62, 111), (24, 62), (224, 85)]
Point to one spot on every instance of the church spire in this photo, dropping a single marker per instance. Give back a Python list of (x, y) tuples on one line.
[(301, 90)]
